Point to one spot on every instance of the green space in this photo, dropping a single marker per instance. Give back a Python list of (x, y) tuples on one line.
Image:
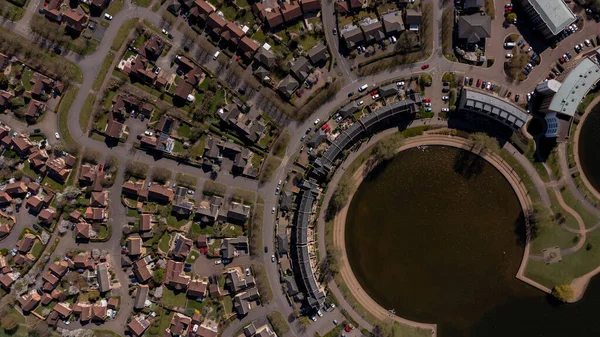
[(53, 184), (262, 283), (11, 12), (193, 256), (105, 67), (37, 249), (244, 196), (214, 188), (86, 112), (184, 130), (228, 305), (27, 75), (259, 36), (176, 222), (229, 12), (307, 41), (172, 299), (28, 171), (555, 235), (198, 149), (163, 244), (142, 3), (196, 230), (279, 323), (589, 218), (123, 33), (58, 34), (281, 144), (232, 231), (115, 7), (268, 169), (63, 117)]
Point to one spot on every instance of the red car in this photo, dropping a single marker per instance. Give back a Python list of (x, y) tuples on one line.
[(427, 100), (478, 82), (100, 166), (347, 328), (374, 92), (425, 66), (562, 60), (508, 9)]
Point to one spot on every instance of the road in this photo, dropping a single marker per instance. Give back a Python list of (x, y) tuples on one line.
[(91, 64)]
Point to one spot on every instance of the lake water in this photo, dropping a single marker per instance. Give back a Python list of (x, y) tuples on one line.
[(436, 235), (589, 145)]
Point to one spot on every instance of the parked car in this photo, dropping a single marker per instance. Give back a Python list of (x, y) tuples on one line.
[(444, 90), (272, 258), (56, 135), (273, 210), (266, 249), (217, 262), (529, 49), (427, 100), (428, 109), (319, 313), (400, 84), (466, 80), (317, 121), (445, 110), (478, 82), (107, 16), (587, 42), (520, 42), (509, 55), (445, 98), (164, 31), (425, 66), (334, 31), (445, 84), (517, 97), (360, 103)]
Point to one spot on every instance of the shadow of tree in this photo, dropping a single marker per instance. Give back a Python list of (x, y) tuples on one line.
[(468, 164)]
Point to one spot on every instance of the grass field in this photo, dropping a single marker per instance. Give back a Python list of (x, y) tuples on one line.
[(122, 33), (172, 299), (103, 71), (86, 112)]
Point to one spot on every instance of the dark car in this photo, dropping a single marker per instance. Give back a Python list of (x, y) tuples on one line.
[(471, 81), (445, 90), (189, 265), (187, 269), (445, 84), (428, 84), (351, 93), (57, 50), (267, 248), (517, 97)]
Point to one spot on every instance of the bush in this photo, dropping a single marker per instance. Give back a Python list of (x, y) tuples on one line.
[(214, 188), (563, 292), (186, 180), (136, 169), (161, 175), (9, 322)]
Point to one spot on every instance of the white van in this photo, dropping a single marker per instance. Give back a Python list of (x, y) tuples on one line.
[(216, 55), (363, 88), (509, 44)]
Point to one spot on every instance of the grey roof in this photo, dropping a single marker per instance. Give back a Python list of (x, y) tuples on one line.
[(494, 107), (413, 17), (373, 32), (348, 109), (250, 330), (265, 57), (353, 37), (282, 243), (231, 245), (261, 72), (288, 86), (103, 277), (301, 68), (318, 53), (555, 14), (474, 27), (473, 4), (286, 201), (393, 23), (579, 81), (141, 296), (317, 138), (388, 90)]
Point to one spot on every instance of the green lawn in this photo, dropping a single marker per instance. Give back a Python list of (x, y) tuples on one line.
[(122, 33), (171, 299), (12, 12), (232, 231), (26, 78), (54, 185), (259, 36), (184, 130), (142, 3), (589, 219), (196, 230), (178, 146), (105, 66), (37, 249), (198, 149), (218, 101), (279, 323), (307, 41), (176, 222), (115, 7), (28, 171), (228, 305), (86, 112), (193, 256), (229, 12), (63, 117), (163, 244)]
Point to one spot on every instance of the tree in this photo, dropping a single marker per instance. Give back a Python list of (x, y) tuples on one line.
[(158, 276), (563, 292), (3, 82), (40, 329), (386, 149), (9, 322), (91, 156), (482, 142), (511, 17), (340, 196), (161, 175)]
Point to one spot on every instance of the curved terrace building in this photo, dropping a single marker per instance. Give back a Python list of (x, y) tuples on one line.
[(493, 107), (377, 120), (315, 296)]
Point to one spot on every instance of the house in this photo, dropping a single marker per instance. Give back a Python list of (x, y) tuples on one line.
[(21, 145), (232, 247), (113, 303), (142, 270), (74, 20), (241, 301), (87, 175), (50, 281), (5, 98), (413, 18), (3, 61), (47, 215), (318, 54), (247, 47), (37, 159), (286, 201), (34, 204), (100, 5), (393, 23), (388, 90), (290, 11), (138, 326), (141, 296), (6, 280), (197, 289), (99, 199), (342, 7), (265, 57), (16, 189), (288, 86), (473, 5), (356, 4), (145, 222), (201, 10), (310, 6), (238, 213), (282, 244), (58, 169), (373, 31), (59, 268), (74, 216), (184, 92), (28, 302), (215, 23), (300, 68), (83, 231), (95, 214), (103, 277), (175, 277), (123, 104), (152, 48), (160, 193), (63, 310), (353, 36), (35, 109), (134, 245), (178, 327), (273, 17), (319, 136), (83, 261), (114, 129), (99, 312), (473, 30), (232, 33), (235, 283), (201, 243), (165, 124), (26, 243), (182, 246)]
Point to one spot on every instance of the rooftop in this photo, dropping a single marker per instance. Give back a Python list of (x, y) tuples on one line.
[(555, 13), (579, 81)]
